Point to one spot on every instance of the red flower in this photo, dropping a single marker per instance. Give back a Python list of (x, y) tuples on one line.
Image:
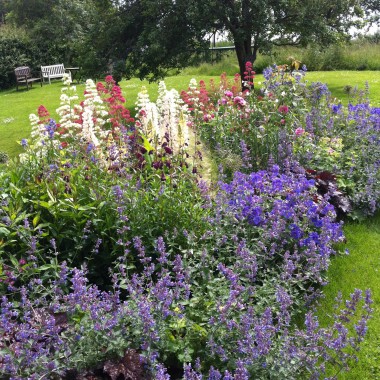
[(283, 109), (109, 79), (43, 112)]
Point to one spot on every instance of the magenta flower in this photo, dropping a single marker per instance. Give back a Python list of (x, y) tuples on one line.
[(239, 100), (283, 109)]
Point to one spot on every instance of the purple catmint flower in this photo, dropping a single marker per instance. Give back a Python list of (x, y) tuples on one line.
[(241, 372), (267, 72), (214, 374), (295, 232), (161, 250), (90, 147), (118, 192), (53, 244), (51, 128), (161, 373), (97, 245)]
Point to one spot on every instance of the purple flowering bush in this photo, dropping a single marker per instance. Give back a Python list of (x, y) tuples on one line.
[(290, 226), (229, 299)]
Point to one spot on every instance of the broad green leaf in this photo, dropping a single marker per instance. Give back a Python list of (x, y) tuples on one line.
[(36, 219), (51, 196), (43, 204)]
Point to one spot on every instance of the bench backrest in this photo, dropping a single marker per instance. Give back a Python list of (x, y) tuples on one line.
[(22, 72), (53, 70)]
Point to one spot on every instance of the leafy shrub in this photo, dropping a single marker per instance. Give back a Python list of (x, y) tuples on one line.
[(14, 52)]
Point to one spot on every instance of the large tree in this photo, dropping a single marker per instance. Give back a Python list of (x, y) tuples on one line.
[(175, 31)]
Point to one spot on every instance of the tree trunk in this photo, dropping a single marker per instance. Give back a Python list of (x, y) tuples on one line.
[(245, 53)]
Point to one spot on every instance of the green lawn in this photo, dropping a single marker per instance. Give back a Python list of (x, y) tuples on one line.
[(337, 80), (360, 269)]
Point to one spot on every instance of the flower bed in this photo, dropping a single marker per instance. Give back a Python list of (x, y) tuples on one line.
[(118, 261)]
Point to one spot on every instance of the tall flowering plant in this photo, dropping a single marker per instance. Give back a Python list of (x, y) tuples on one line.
[(167, 119), (97, 141)]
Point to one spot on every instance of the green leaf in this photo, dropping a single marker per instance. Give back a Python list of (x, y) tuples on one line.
[(13, 261), (146, 144), (43, 204), (36, 219), (4, 231), (51, 196)]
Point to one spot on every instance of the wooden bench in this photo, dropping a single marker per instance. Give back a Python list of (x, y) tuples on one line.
[(24, 76), (52, 71)]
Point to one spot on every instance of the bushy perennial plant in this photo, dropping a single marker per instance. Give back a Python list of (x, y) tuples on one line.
[(145, 275)]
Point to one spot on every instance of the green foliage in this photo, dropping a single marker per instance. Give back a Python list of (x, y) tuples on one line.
[(254, 26), (68, 32), (87, 222), (16, 50), (157, 37), (359, 54)]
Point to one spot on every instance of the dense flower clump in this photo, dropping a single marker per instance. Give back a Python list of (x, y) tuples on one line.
[(291, 220), (118, 261)]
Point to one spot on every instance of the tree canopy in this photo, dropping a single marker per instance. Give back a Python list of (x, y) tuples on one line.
[(149, 37), (176, 30)]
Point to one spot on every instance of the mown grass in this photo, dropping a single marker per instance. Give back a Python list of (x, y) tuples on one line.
[(360, 269)]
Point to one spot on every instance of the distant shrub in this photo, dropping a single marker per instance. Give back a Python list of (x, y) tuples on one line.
[(14, 52)]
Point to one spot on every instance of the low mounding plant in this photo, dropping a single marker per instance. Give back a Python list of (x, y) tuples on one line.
[(235, 317)]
